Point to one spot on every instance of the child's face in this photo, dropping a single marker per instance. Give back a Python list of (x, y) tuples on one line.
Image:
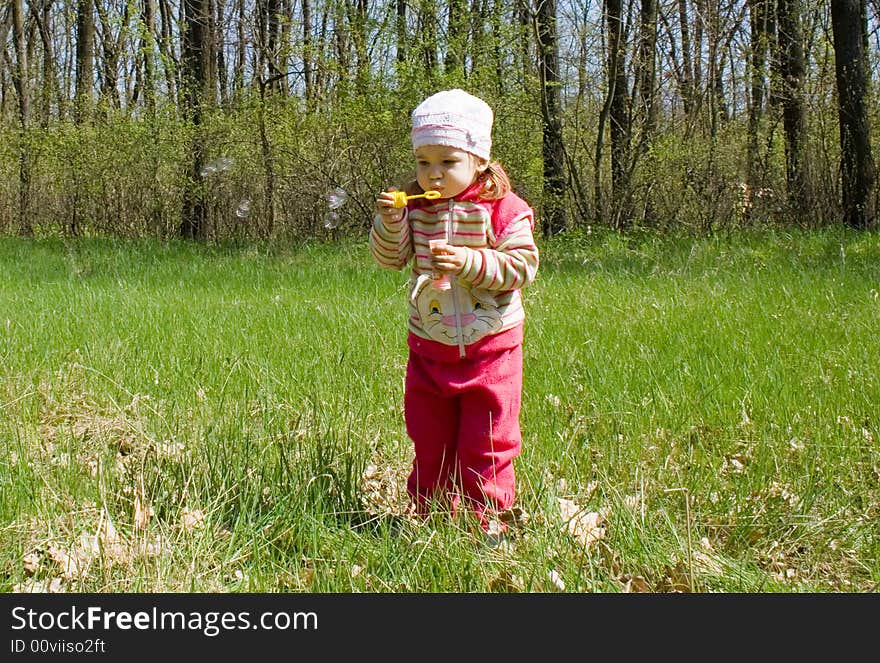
[(446, 169)]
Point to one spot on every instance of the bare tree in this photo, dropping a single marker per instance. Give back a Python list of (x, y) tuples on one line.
[(147, 80), (269, 30), (196, 80), (794, 116), (553, 148), (857, 171), (49, 90), (85, 58), (698, 15), (357, 21), (166, 48), (20, 81), (223, 86), (308, 67), (646, 68), (111, 38), (686, 77), (646, 86), (425, 37), (456, 36), (400, 43), (616, 110), (760, 22)]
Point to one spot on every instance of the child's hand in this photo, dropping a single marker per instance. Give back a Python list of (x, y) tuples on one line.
[(385, 207), (447, 258)]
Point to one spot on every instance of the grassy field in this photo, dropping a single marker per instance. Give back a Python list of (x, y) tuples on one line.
[(700, 414)]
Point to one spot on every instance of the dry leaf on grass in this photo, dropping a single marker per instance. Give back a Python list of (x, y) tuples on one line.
[(634, 585), (556, 580), (677, 579), (706, 561), (192, 519), (143, 510), (74, 560), (384, 490), (507, 583), (585, 526), (31, 562), (31, 586)]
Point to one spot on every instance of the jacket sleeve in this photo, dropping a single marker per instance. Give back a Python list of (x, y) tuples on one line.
[(391, 243), (509, 265)]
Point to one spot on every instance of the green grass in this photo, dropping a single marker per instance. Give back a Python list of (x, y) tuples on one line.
[(178, 417)]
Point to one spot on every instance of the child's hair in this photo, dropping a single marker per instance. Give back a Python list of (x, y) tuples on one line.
[(496, 183)]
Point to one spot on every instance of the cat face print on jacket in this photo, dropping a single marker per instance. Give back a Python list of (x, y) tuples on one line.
[(478, 312)]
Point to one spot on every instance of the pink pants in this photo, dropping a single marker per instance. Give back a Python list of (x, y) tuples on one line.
[(463, 418)]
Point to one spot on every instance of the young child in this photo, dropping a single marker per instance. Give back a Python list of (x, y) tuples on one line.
[(464, 374)]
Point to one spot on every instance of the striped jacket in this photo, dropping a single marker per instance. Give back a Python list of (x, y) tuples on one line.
[(482, 312)]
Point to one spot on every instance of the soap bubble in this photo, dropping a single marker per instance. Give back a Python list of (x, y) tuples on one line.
[(217, 166), (337, 198), (244, 208), (331, 220)]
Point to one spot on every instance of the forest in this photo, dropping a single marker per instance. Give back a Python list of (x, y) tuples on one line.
[(278, 119)]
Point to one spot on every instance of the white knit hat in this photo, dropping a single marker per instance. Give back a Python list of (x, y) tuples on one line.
[(456, 119)]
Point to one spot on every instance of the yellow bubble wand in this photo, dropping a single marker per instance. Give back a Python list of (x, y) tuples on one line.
[(400, 198)]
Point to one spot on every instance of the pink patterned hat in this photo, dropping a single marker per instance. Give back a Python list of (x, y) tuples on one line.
[(456, 119)]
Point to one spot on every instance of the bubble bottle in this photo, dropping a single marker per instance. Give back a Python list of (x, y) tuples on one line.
[(441, 281)]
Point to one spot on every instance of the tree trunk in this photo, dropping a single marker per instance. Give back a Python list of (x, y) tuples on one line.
[(400, 44), (647, 69), (22, 89), (85, 59), (759, 17), (499, 55), (551, 115), (525, 18), (148, 40), (698, 16), (111, 47), (687, 67), (794, 116), (341, 35), (5, 60), (195, 58), (268, 162), (687, 74), (715, 67), (49, 91), (284, 47), (480, 17), (856, 162), (222, 78), (457, 37), (618, 115), (646, 82), (270, 44), (308, 81), (166, 47), (358, 29), (426, 30), (241, 46)]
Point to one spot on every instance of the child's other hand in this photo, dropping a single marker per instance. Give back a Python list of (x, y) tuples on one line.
[(385, 207), (448, 258)]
